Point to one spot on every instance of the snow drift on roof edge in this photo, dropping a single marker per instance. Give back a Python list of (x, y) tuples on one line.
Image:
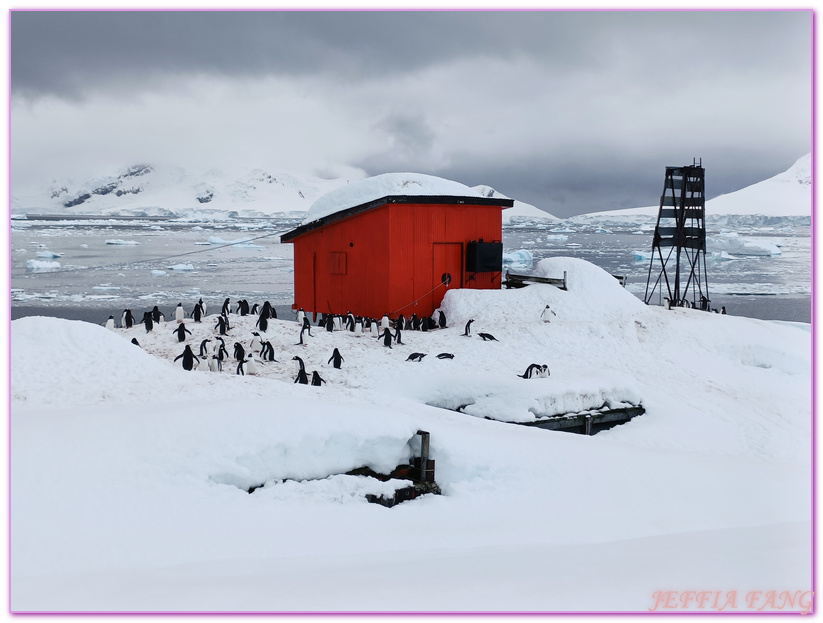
[(372, 188)]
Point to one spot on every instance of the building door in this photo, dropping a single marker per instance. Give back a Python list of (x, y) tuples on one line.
[(447, 270)]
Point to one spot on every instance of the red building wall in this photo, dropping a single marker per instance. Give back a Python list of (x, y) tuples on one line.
[(386, 258)]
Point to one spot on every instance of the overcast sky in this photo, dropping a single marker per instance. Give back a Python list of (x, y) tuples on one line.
[(573, 112)]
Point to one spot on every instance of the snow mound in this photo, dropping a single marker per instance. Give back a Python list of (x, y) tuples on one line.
[(379, 186), (79, 351), (40, 266)]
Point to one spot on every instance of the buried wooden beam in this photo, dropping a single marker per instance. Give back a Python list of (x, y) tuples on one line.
[(588, 422)]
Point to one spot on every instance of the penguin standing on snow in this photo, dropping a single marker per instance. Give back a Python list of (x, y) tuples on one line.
[(441, 319), (267, 352), (338, 323), (148, 322), (181, 331), (387, 337), (188, 358), (240, 365), (307, 325), (202, 306), (300, 316), (262, 322), (127, 320), (179, 313), (222, 353), (110, 323), (226, 308), (203, 366), (239, 351), (384, 322), (301, 374), (316, 379), (358, 327), (329, 323), (251, 364), (256, 342), (350, 321), (414, 322), (215, 365), (157, 315), (397, 335), (255, 309), (221, 325), (373, 327), (203, 352), (400, 323), (337, 358), (547, 313), (468, 330), (197, 313)]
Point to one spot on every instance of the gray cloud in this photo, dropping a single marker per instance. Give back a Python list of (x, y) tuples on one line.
[(569, 111)]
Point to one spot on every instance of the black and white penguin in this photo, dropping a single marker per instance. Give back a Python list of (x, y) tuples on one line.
[(397, 337), (414, 322), (240, 365), (530, 371), (543, 372), (316, 379), (547, 313), (188, 358), (445, 356), (251, 364), (307, 325), (203, 366), (723, 309), (222, 353), (272, 312), (127, 320), (338, 322), (203, 352), (226, 308), (156, 315), (148, 322), (110, 323), (301, 377), (385, 323), (299, 362), (197, 313), (400, 323), (467, 332), (267, 352), (255, 309), (350, 321), (416, 357), (215, 365), (424, 323), (256, 342), (487, 336), (330, 323), (221, 325), (262, 322), (266, 310), (337, 358), (441, 319), (202, 306), (300, 316), (374, 328), (358, 327), (239, 352), (179, 313), (181, 331), (135, 342), (387, 337), (301, 342)]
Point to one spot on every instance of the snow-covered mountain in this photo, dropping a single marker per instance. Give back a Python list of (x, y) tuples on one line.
[(520, 211), (786, 196), (148, 190)]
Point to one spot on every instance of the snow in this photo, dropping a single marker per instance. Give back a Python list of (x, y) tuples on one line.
[(732, 243), (379, 186), (181, 267), (122, 242), (39, 266), (129, 474), (520, 212)]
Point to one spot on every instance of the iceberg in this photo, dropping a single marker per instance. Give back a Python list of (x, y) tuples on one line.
[(38, 266)]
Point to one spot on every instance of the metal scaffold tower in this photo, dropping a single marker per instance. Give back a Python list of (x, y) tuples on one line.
[(679, 245)]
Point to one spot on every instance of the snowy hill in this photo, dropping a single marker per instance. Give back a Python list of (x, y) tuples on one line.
[(130, 477), (787, 195), (520, 212), (145, 190)]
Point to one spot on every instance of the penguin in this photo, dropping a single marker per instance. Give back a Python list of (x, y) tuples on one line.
[(262, 322), (243, 307), (179, 313), (226, 308), (267, 352), (240, 365), (197, 313), (445, 356), (203, 347), (203, 366), (337, 358), (266, 310), (400, 323), (110, 323), (301, 377), (222, 353), (375, 331), (300, 316), (544, 372), (156, 315), (329, 323), (531, 370), (350, 321), (251, 364), (226, 320), (441, 319), (316, 379), (301, 342), (487, 336), (416, 357), (255, 309), (338, 323), (358, 327), (424, 323), (127, 320), (215, 365), (239, 351), (148, 322), (387, 337), (272, 312), (181, 331), (202, 306), (397, 337), (188, 358), (299, 362), (385, 322), (414, 322), (723, 310), (256, 342), (546, 313), (221, 325), (468, 330), (135, 342), (307, 325)]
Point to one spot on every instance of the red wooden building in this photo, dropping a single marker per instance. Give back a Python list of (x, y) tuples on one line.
[(370, 249)]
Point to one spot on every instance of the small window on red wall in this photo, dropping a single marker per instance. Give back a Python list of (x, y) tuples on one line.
[(337, 262)]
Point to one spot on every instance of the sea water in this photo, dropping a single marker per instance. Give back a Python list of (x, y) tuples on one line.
[(106, 266)]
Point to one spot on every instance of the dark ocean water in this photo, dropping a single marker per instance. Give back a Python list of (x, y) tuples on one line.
[(96, 278)]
